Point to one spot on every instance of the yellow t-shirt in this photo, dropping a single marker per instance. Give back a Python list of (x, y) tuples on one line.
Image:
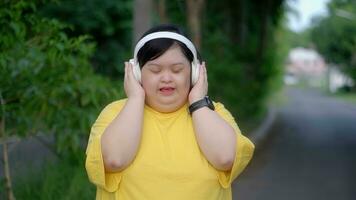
[(168, 164)]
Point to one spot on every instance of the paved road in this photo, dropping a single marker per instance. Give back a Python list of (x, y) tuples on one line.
[(311, 153)]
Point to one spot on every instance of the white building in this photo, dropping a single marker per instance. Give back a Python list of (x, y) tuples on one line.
[(305, 62), (337, 79), (309, 66)]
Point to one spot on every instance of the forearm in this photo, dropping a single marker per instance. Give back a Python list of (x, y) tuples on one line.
[(121, 139), (216, 138)]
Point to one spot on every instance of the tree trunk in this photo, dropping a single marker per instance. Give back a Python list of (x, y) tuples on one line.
[(162, 11), (194, 8), (242, 23), (8, 185), (142, 18), (263, 35)]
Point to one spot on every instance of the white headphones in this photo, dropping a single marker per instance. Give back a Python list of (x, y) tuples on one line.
[(171, 35)]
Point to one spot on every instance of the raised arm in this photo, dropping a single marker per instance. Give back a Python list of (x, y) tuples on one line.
[(215, 137), (121, 139)]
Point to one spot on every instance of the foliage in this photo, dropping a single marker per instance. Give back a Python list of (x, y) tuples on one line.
[(335, 35), (287, 39), (240, 47), (110, 24), (301, 39), (241, 32), (47, 81)]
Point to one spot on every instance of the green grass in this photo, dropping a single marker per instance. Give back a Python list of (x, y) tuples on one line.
[(349, 97), (57, 181)]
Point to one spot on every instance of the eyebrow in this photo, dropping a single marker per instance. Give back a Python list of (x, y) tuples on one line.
[(173, 64)]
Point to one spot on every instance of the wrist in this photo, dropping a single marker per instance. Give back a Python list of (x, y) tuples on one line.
[(201, 103), (194, 99)]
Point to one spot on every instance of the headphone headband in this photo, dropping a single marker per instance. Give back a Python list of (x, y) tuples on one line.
[(165, 34)]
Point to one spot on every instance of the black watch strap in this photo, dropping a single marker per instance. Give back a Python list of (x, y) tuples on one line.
[(201, 103)]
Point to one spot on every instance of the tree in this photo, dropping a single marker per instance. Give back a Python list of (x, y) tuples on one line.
[(47, 83), (240, 47), (142, 18), (335, 35), (161, 10), (110, 23), (194, 11)]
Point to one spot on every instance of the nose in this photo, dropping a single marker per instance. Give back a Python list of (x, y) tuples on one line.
[(166, 76)]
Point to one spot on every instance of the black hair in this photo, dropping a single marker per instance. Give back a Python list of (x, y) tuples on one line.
[(156, 47)]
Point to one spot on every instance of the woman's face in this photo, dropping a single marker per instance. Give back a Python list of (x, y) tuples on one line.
[(166, 80)]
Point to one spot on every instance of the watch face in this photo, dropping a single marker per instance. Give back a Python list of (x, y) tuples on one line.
[(210, 103)]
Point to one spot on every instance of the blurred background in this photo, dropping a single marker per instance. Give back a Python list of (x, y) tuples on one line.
[(288, 66)]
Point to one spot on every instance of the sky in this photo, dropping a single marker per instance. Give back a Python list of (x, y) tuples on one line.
[(306, 9)]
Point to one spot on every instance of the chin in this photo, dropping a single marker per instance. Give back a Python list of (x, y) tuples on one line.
[(168, 106)]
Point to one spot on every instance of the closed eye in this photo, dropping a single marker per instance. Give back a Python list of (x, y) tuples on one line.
[(177, 69), (154, 68)]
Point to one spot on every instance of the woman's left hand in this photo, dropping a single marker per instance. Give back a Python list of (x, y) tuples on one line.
[(200, 89)]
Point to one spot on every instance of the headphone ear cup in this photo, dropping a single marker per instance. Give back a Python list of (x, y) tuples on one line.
[(136, 70), (195, 72)]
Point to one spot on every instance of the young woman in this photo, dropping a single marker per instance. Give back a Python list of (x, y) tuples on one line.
[(167, 139)]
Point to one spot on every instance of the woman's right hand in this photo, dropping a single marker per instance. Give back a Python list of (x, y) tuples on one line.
[(133, 88)]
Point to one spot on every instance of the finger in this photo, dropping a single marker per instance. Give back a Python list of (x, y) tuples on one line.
[(130, 74), (201, 73), (205, 72), (129, 71), (125, 79), (126, 64)]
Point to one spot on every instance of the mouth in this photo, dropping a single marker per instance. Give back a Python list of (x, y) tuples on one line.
[(166, 90)]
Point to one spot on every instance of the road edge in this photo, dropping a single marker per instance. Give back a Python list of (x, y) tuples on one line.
[(259, 134)]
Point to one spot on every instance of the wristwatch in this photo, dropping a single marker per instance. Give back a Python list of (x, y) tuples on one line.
[(206, 101)]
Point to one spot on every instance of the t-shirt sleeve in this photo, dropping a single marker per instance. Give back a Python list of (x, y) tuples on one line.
[(244, 150), (94, 163)]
